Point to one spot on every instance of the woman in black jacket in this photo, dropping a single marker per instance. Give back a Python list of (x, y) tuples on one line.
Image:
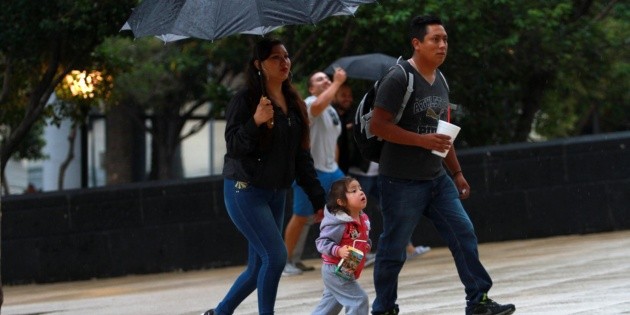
[(267, 140)]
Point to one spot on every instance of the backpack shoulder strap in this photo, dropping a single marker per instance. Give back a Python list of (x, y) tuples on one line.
[(444, 80), (448, 89), (408, 69)]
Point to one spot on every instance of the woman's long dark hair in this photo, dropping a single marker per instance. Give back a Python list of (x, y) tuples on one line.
[(255, 84)]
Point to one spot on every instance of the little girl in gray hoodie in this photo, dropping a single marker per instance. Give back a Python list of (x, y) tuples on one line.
[(344, 232)]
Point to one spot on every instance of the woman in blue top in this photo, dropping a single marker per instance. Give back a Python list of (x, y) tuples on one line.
[(267, 138)]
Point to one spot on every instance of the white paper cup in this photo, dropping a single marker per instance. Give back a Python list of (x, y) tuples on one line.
[(448, 129)]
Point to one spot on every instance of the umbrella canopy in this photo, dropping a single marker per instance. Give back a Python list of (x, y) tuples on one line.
[(366, 67), (172, 20)]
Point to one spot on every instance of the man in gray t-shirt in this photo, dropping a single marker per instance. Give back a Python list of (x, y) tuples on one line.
[(429, 104), (414, 182)]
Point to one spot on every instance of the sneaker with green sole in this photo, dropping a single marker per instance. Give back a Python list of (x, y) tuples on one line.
[(489, 307)]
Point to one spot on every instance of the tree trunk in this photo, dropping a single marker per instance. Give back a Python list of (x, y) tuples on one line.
[(5, 184), (1, 291), (532, 100), (164, 151), (167, 128), (72, 135), (33, 113), (120, 145), (36, 104)]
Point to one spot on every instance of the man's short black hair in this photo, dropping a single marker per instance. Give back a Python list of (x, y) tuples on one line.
[(418, 26)]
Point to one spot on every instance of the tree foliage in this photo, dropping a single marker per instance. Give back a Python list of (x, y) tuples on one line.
[(41, 42), (513, 65), (510, 59), (559, 67), (168, 86)]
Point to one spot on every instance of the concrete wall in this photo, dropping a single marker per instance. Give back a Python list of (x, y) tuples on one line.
[(571, 186)]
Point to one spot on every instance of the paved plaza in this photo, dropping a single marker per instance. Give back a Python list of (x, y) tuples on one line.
[(577, 274)]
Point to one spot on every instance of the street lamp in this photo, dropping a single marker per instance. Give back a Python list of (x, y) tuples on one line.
[(80, 88), (82, 84)]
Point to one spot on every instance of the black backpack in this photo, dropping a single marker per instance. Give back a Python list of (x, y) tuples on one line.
[(368, 144)]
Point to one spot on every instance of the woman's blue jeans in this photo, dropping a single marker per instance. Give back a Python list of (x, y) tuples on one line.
[(403, 203), (259, 215)]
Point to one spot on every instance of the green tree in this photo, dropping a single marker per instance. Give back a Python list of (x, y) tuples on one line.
[(508, 60), (77, 95), (29, 148), (560, 67), (166, 85), (40, 42), (594, 101), (513, 65)]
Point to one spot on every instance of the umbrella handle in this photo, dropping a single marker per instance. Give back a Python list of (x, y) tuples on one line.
[(269, 122)]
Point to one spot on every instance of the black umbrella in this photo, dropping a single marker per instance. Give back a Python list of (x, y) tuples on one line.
[(366, 67), (173, 20), (212, 19)]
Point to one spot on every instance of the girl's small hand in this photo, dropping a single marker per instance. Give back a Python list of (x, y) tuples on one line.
[(264, 111), (343, 252)]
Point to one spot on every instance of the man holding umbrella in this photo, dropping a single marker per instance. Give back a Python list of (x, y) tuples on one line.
[(325, 129)]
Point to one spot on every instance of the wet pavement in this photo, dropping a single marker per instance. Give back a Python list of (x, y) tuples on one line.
[(578, 274)]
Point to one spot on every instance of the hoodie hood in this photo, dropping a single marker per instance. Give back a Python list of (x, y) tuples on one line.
[(335, 218), (340, 229)]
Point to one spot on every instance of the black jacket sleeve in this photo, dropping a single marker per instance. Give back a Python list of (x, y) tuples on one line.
[(241, 132)]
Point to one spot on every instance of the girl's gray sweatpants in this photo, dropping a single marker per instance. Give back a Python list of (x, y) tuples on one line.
[(340, 293)]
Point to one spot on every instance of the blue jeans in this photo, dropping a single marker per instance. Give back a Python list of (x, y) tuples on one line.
[(403, 202), (259, 215)]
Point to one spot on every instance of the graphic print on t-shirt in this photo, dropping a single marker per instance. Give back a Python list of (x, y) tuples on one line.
[(333, 115), (428, 111)]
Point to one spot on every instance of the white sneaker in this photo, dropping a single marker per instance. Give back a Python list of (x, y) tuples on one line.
[(369, 259), (291, 270), (419, 250)]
